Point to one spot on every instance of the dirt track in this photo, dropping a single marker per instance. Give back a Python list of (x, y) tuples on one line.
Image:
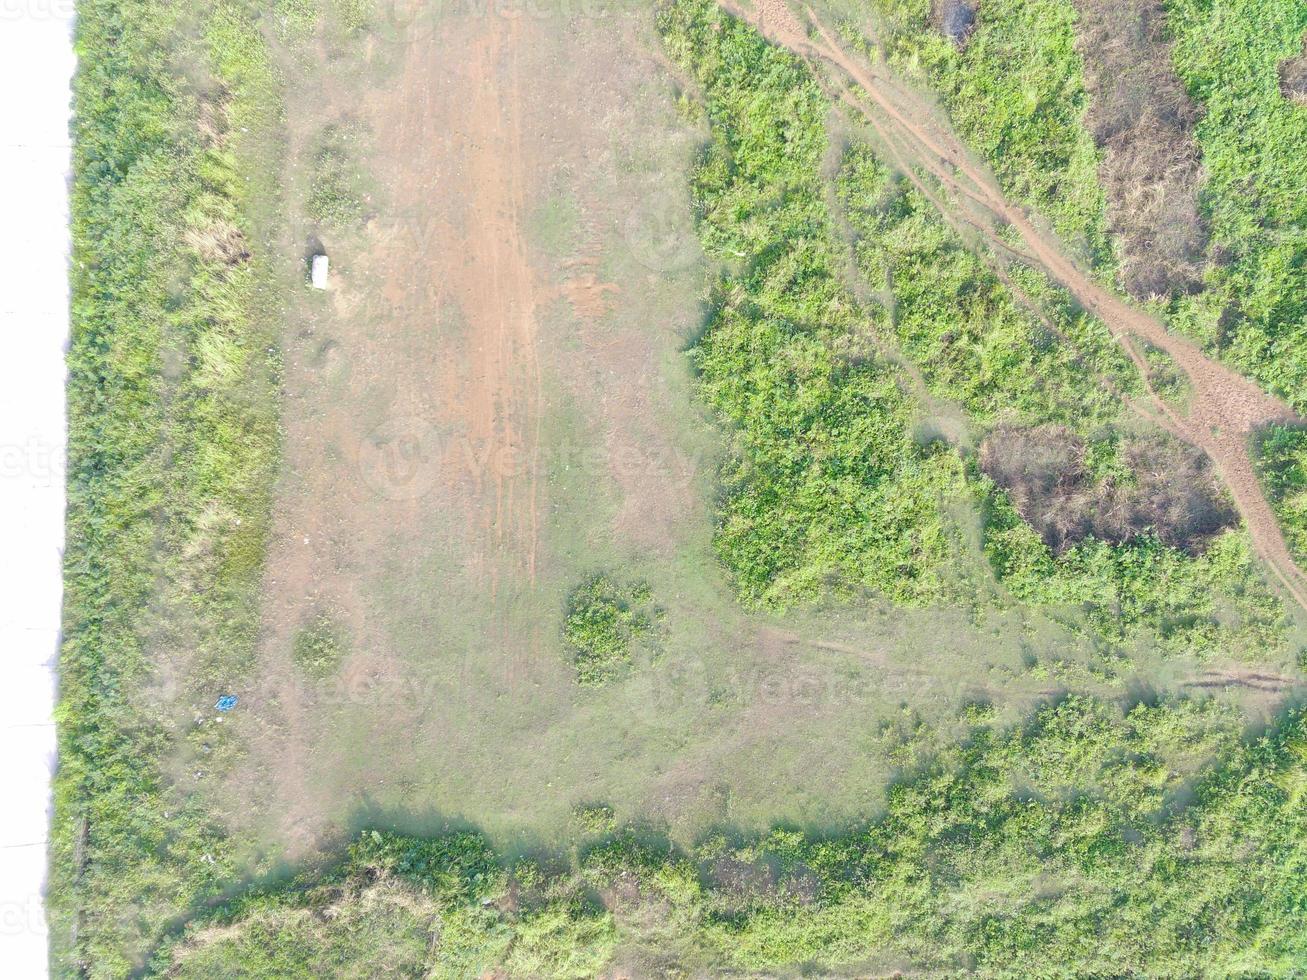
[(1225, 408)]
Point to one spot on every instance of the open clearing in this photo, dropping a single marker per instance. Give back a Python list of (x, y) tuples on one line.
[(490, 404)]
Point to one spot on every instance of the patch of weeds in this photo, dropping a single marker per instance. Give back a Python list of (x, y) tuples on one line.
[(319, 647), (296, 20), (1282, 465), (827, 491), (1015, 92), (553, 225), (605, 619), (594, 818), (355, 15), (337, 197), (1165, 377)]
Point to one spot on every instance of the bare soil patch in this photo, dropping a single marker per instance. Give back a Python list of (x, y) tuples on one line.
[(1175, 495), (1142, 119)]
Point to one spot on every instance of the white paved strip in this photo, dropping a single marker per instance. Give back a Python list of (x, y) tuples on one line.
[(36, 65)]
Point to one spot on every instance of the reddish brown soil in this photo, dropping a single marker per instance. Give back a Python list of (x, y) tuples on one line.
[(1225, 408)]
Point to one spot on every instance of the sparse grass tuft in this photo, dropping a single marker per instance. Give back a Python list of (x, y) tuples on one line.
[(319, 647), (336, 199)]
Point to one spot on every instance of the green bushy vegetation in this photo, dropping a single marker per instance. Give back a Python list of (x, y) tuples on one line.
[(973, 341), (826, 491), (1254, 307), (1282, 465), (829, 492), (1056, 848), (1015, 93), (172, 448), (604, 621), (975, 345), (1215, 602)]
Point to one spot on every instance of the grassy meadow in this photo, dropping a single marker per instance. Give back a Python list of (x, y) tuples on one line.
[(1009, 765)]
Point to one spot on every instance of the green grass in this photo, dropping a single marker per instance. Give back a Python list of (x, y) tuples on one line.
[(319, 647), (1282, 465), (973, 341), (1091, 840), (975, 345), (337, 196), (1054, 848), (172, 448), (1016, 94), (1254, 308), (826, 490)]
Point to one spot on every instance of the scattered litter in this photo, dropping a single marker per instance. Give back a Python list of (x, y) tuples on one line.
[(319, 275), (226, 702)]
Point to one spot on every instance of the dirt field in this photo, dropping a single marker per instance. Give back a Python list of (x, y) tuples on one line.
[(492, 402)]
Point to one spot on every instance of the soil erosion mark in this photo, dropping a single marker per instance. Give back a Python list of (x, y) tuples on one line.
[(1225, 407)]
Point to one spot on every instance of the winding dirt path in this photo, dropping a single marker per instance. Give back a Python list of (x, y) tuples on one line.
[(1225, 408)]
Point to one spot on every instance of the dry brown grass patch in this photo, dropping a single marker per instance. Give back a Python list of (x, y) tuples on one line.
[(1173, 494), (1142, 118)]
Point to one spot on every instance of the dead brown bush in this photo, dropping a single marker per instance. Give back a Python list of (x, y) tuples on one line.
[(1142, 119), (955, 19), (1293, 76), (219, 241), (1174, 494)]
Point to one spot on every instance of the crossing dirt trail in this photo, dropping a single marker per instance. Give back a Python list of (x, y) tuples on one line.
[(1224, 409)]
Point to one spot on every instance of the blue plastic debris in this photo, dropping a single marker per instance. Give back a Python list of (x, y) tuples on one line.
[(226, 702)]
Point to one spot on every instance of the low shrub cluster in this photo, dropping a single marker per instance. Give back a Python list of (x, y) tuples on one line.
[(604, 621)]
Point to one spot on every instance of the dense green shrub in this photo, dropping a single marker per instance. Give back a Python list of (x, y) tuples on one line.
[(1254, 308), (973, 341), (604, 620), (826, 489), (1016, 94), (1282, 464)]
